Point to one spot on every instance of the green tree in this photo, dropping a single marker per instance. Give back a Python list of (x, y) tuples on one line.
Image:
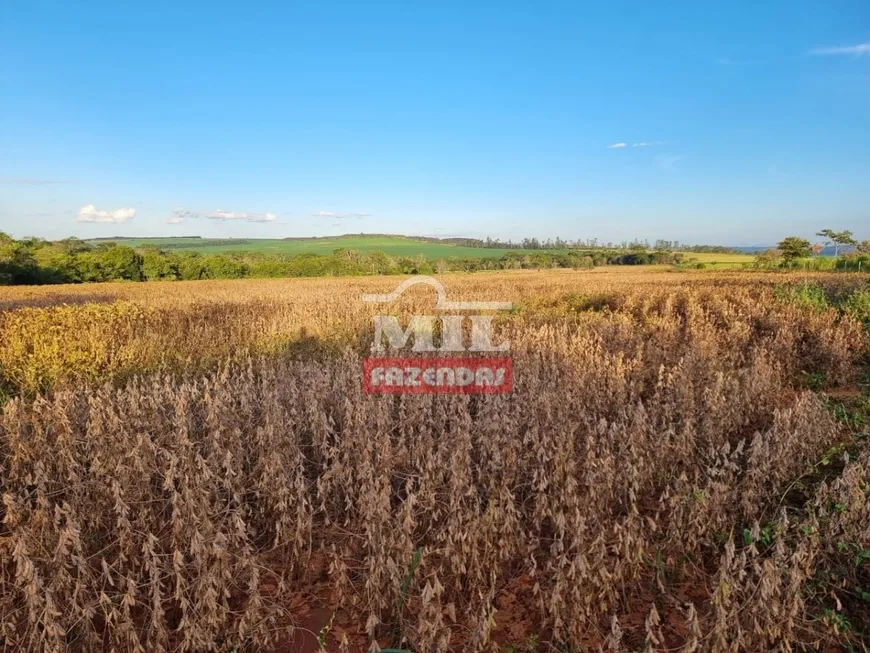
[(218, 266), (838, 238), (191, 266), (344, 262), (72, 246), (56, 265), (381, 262), (844, 239), (156, 265), (88, 267), (121, 263), (16, 262), (308, 265), (795, 247)]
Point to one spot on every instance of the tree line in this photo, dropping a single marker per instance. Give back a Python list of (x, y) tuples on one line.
[(660, 245), (793, 248), (36, 261)]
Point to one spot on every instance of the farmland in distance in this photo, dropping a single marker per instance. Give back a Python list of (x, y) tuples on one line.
[(392, 245)]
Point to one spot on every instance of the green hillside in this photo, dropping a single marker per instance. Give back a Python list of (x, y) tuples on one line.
[(393, 245)]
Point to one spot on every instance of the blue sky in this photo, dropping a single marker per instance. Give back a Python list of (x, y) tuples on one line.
[(742, 121)]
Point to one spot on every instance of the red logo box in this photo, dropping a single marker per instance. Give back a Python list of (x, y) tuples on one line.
[(431, 375)]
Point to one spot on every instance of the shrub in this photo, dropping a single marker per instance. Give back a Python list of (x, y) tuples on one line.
[(805, 294), (858, 305)]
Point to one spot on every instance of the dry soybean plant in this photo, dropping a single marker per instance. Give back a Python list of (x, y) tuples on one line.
[(202, 471)]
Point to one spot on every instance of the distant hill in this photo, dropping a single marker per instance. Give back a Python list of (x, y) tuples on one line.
[(432, 248), (392, 244)]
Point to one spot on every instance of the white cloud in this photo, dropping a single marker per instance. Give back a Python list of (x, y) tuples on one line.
[(861, 48), (178, 216), (89, 213), (242, 215), (340, 216), (619, 146)]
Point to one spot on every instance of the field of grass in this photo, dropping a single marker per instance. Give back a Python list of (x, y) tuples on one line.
[(392, 245), (194, 466), (719, 261)]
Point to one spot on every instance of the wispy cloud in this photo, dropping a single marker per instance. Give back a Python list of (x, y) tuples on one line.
[(179, 215), (89, 213), (648, 143), (854, 50), (619, 146), (242, 215), (340, 216)]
